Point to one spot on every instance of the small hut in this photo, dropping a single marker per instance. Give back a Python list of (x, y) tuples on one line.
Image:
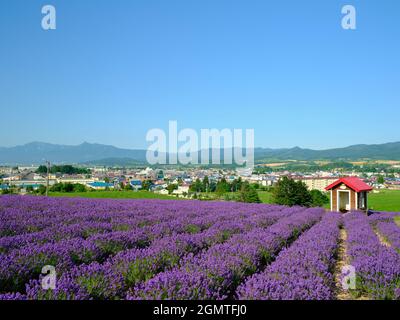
[(350, 193)]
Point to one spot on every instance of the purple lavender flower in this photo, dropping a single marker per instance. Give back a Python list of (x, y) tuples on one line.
[(377, 266), (302, 271), (156, 249), (12, 296), (391, 232), (224, 266)]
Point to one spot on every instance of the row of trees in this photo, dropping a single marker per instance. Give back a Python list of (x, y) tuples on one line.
[(63, 169), (286, 192), (146, 185), (68, 187), (289, 192), (246, 192), (220, 187), (58, 187)]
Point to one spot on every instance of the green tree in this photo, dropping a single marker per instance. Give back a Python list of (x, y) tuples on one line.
[(236, 184), (255, 186), (56, 187), (172, 187), (64, 169), (79, 187), (380, 179), (222, 187), (291, 193), (206, 184), (128, 187), (41, 190), (146, 184), (248, 194), (319, 199), (213, 186), (197, 186), (68, 187), (252, 196)]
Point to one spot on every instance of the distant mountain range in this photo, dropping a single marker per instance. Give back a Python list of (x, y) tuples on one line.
[(386, 151), (93, 153), (38, 152)]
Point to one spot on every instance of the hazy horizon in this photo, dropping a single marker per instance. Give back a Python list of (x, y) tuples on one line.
[(256, 147)]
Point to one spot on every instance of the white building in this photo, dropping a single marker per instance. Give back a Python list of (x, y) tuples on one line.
[(181, 190)]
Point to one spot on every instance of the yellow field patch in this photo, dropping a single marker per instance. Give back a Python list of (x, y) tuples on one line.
[(276, 164)]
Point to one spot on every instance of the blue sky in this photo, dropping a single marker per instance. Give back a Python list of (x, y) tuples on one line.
[(115, 69)]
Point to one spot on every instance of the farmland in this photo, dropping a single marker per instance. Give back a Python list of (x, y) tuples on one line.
[(157, 249)]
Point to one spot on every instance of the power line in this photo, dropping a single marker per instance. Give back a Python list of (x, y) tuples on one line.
[(47, 177)]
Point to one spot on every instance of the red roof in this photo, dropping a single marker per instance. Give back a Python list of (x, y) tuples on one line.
[(354, 183)]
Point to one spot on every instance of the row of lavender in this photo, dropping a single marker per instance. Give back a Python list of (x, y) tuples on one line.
[(158, 235), (117, 275), (304, 271), (189, 250), (377, 265), (215, 273), (385, 225), (51, 219)]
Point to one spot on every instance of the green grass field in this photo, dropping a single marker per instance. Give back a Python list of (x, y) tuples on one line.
[(265, 196), (114, 195), (385, 200)]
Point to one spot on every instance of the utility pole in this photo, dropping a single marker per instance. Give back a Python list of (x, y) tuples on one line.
[(47, 177)]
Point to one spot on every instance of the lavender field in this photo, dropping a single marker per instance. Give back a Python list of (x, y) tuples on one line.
[(155, 249)]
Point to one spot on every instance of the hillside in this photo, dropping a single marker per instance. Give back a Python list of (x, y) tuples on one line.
[(99, 154)]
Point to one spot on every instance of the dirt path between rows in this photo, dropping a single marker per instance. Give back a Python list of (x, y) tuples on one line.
[(382, 240), (342, 260)]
